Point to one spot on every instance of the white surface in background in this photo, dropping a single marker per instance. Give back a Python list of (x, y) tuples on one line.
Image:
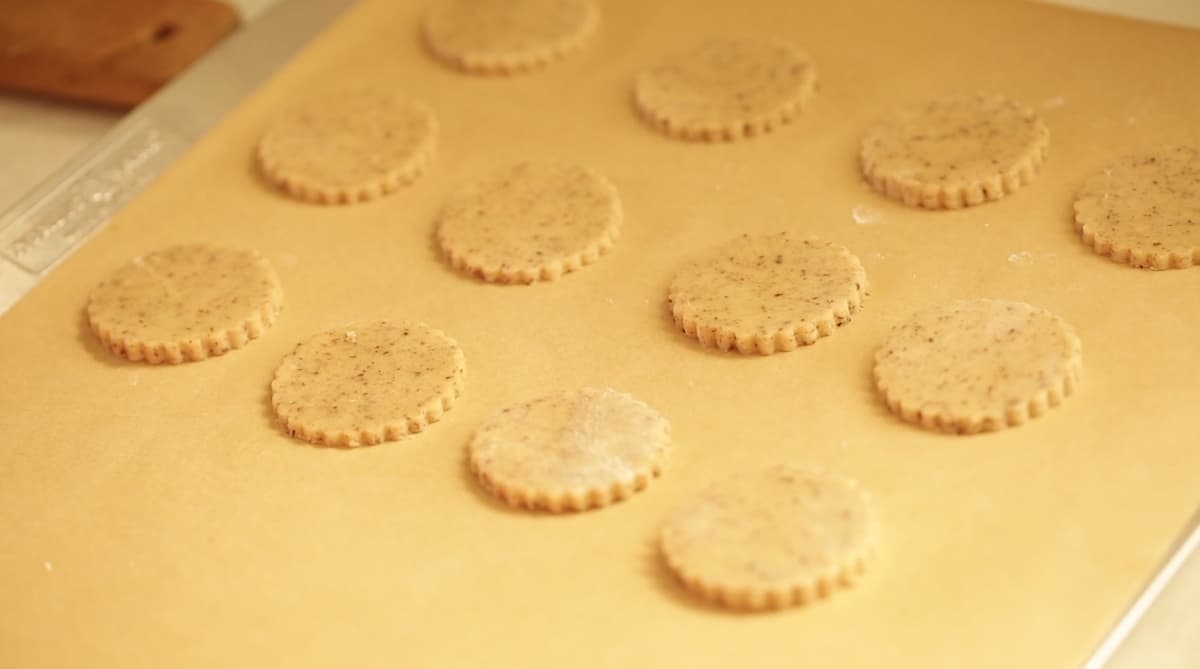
[(37, 137), (1176, 12), (1168, 636), (249, 9)]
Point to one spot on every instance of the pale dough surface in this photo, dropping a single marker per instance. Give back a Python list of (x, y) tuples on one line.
[(367, 382), (571, 451), (775, 537), (185, 303), (530, 222), (727, 89), (508, 36), (348, 146), (1145, 209), (954, 151), (767, 293), (978, 365)]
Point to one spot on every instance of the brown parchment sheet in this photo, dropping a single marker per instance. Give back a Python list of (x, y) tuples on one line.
[(157, 516)]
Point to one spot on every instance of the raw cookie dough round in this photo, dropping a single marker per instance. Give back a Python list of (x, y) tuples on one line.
[(367, 382), (572, 451), (767, 293), (727, 89), (530, 222), (978, 365), (508, 36), (1145, 209), (350, 147), (771, 538), (955, 151), (185, 303)]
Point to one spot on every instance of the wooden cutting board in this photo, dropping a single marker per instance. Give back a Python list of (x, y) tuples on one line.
[(108, 52)]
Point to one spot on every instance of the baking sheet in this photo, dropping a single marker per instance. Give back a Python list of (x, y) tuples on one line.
[(157, 516)]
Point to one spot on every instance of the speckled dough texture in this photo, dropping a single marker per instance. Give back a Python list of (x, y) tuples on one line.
[(955, 151), (978, 365), (1144, 210), (530, 222), (367, 382), (573, 451), (767, 293), (348, 146), (726, 89), (508, 36), (185, 303), (779, 536)]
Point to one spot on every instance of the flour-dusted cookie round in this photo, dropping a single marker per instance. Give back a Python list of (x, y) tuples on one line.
[(530, 222), (767, 293), (978, 365), (779, 536), (1144, 210), (955, 151), (367, 382), (185, 303), (726, 89), (508, 36), (349, 146), (572, 451)]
